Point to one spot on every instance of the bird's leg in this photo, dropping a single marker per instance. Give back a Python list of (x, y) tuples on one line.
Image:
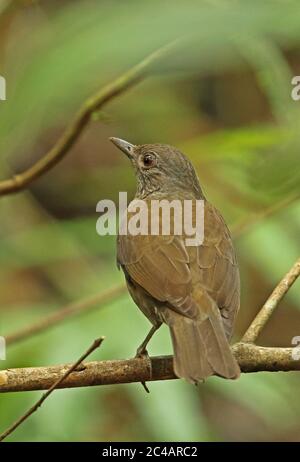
[(142, 352)]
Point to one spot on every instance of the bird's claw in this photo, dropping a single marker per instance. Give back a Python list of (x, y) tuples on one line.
[(145, 387), (142, 353)]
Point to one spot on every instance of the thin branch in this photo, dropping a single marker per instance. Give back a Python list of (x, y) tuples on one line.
[(82, 306), (56, 384), (80, 121), (269, 307), (251, 358)]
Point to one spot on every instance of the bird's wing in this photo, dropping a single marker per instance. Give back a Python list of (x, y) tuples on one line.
[(217, 267), (160, 265), (170, 271)]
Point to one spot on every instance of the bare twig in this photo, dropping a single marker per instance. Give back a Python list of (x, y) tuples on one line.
[(268, 308), (57, 383), (82, 306), (80, 121), (251, 358)]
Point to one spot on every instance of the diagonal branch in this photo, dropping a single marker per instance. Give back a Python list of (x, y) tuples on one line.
[(72, 309), (80, 121), (56, 384), (271, 304), (251, 358)]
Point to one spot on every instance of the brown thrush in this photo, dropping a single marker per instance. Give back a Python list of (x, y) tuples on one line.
[(195, 290)]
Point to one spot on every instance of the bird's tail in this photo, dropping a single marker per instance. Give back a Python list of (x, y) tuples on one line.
[(200, 346)]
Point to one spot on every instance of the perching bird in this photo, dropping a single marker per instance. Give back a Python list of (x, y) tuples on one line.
[(195, 290)]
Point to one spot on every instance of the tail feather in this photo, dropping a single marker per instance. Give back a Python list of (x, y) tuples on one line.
[(200, 347)]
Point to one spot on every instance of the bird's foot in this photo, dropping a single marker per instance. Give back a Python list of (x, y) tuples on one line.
[(141, 353), (144, 385)]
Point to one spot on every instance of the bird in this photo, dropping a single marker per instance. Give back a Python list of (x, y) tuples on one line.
[(195, 290)]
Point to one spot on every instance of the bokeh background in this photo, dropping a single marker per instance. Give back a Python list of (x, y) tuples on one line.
[(224, 98)]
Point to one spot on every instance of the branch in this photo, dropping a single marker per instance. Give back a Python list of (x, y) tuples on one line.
[(80, 121), (82, 306), (269, 307), (251, 358), (56, 384)]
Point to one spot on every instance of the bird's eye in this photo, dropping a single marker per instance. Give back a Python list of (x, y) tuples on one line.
[(149, 160)]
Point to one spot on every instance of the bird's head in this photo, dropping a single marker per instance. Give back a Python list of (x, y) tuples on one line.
[(161, 170)]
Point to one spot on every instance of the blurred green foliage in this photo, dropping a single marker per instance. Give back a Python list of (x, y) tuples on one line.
[(223, 97)]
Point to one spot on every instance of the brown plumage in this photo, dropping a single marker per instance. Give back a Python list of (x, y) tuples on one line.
[(195, 290)]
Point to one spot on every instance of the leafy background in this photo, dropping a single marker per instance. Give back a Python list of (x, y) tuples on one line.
[(224, 98)]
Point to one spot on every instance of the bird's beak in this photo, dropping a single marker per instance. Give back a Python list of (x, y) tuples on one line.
[(126, 147)]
